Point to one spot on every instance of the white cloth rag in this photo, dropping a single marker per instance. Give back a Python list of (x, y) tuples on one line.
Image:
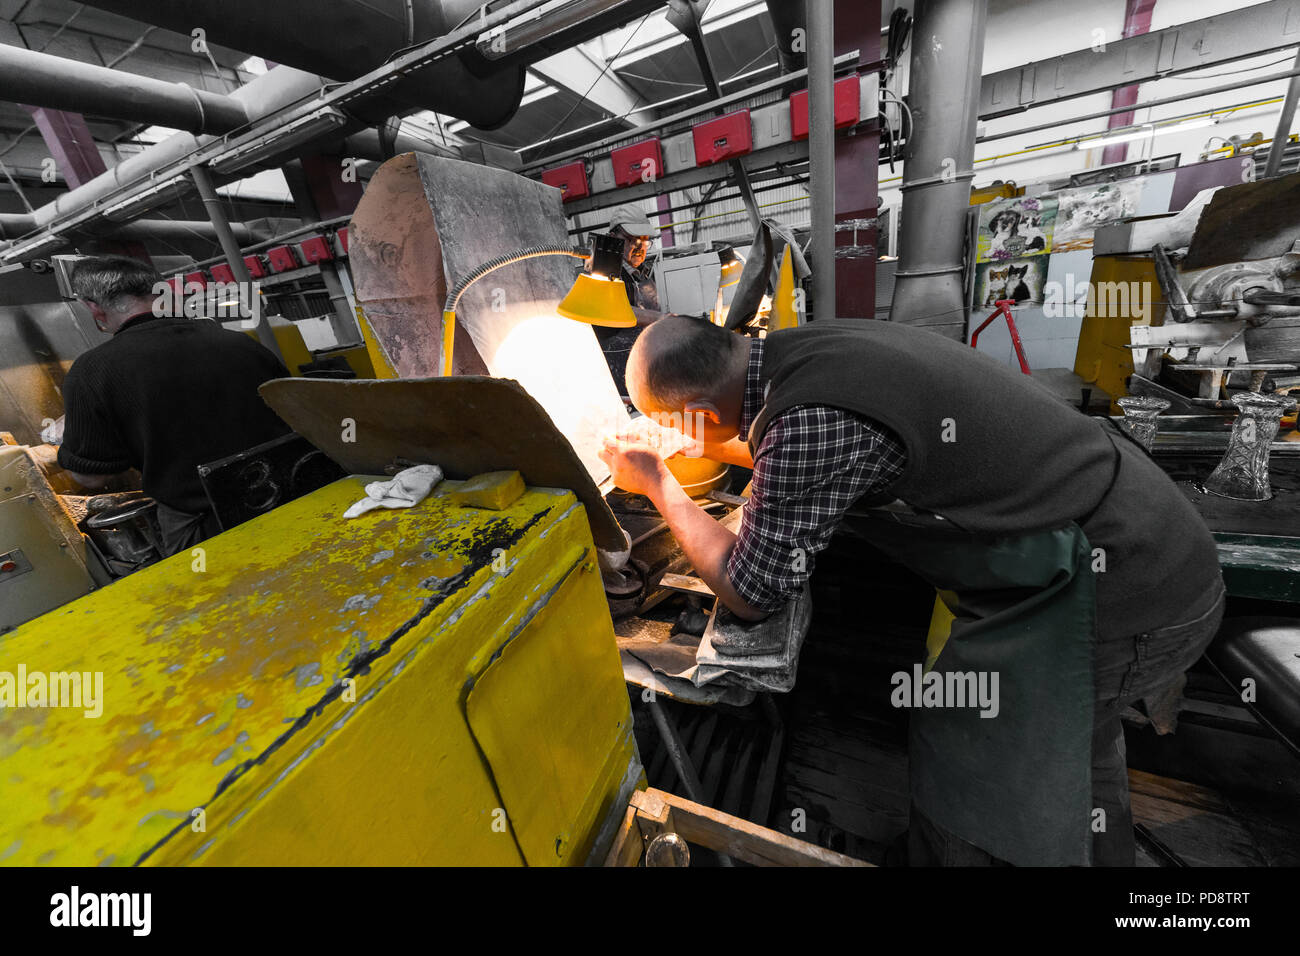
[(406, 488)]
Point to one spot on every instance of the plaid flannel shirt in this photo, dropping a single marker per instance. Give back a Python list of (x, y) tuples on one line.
[(813, 462)]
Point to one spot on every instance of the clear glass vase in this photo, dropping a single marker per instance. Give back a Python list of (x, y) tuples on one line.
[(1243, 473), (1140, 412)]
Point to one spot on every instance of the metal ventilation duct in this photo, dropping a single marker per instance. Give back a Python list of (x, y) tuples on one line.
[(40, 79), (943, 94), (344, 39)]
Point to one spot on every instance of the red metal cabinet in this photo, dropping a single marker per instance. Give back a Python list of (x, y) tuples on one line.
[(316, 249), (848, 96), (282, 258), (631, 166), (570, 180), (723, 138)]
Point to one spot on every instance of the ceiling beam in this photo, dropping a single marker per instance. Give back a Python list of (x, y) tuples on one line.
[(579, 72)]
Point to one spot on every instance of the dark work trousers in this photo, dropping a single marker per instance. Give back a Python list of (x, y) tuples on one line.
[(182, 530), (1125, 670)]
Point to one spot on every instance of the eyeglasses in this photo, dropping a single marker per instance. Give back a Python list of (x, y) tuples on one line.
[(645, 241)]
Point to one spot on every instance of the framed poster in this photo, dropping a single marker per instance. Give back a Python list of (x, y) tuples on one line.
[(1015, 229), (1083, 209), (1021, 280)]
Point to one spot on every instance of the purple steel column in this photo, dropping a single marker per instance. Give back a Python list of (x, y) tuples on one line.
[(666, 238), (1137, 20), (73, 149), (857, 161)]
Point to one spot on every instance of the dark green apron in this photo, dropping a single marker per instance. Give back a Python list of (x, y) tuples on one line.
[(1019, 784)]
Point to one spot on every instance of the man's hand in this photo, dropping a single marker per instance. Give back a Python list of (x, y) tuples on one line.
[(637, 469), (640, 470)]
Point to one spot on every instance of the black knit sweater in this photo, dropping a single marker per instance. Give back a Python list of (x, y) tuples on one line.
[(165, 396)]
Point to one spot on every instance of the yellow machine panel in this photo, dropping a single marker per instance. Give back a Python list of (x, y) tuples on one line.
[(431, 685), (42, 554), (1122, 289)]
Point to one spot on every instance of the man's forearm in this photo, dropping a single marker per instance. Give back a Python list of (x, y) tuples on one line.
[(734, 452), (100, 482), (707, 544)]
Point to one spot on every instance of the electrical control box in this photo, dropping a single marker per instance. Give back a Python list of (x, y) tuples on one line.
[(723, 138), (196, 278), (638, 163), (848, 97), (316, 249), (570, 180), (223, 273), (341, 241), (256, 267), (282, 258)]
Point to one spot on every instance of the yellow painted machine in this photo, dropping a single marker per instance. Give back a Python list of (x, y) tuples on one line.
[(255, 690)]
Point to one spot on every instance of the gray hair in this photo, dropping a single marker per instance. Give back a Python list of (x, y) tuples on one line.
[(113, 281), (681, 359)]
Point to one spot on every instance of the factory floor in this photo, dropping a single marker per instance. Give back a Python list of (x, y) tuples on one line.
[(828, 762)]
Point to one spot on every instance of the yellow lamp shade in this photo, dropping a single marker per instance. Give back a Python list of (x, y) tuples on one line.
[(731, 272), (598, 301)]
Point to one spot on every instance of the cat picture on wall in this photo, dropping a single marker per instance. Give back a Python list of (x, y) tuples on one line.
[(1020, 281), (1032, 231), (996, 284)]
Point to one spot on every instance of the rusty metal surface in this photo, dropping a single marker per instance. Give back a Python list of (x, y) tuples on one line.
[(1259, 220), (215, 676)]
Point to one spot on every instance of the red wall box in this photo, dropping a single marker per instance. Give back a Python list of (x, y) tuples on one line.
[(630, 164), (570, 180), (343, 239), (256, 268), (723, 138), (223, 273), (848, 97), (316, 249), (282, 258), (191, 278)]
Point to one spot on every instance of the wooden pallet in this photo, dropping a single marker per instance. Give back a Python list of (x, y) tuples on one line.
[(654, 812)]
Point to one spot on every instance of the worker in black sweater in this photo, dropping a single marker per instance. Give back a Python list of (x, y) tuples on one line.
[(164, 395)]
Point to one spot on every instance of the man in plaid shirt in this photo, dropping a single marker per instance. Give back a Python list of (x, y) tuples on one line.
[(812, 463), (1008, 492)]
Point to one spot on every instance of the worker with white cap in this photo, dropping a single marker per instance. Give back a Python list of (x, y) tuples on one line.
[(630, 224)]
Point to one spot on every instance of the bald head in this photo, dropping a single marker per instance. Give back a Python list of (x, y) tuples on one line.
[(679, 361)]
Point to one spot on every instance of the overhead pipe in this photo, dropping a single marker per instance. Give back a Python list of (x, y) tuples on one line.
[(56, 82), (938, 163), (266, 94), (288, 93), (787, 21), (345, 39), (230, 246), (179, 230)]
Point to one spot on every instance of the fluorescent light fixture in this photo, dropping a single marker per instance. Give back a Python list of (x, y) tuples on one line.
[(1143, 133), (279, 141), (34, 247), (140, 202)]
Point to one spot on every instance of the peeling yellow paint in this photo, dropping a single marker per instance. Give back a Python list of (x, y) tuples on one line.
[(228, 689)]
